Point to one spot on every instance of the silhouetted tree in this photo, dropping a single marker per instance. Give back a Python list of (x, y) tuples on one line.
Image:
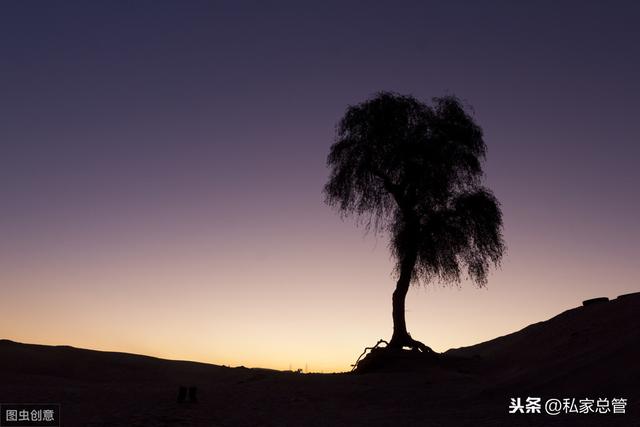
[(415, 171)]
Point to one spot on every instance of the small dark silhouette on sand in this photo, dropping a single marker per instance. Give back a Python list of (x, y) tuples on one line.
[(191, 392)]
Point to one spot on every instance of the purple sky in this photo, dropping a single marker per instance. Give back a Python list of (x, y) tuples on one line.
[(162, 163)]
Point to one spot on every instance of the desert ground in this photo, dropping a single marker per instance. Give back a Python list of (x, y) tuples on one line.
[(586, 352)]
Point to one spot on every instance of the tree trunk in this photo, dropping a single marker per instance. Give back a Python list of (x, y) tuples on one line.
[(400, 336)]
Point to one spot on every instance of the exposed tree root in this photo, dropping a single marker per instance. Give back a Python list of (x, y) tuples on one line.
[(355, 365), (406, 341)]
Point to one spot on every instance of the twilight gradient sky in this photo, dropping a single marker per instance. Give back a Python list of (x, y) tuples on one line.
[(162, 163)]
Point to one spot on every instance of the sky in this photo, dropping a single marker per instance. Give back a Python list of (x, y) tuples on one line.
[(162, 165)]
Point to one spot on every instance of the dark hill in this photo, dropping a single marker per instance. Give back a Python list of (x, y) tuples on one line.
[(589, 349), (586, 352)]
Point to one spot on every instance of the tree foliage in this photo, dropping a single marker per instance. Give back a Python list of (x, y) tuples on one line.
[(415, 171)]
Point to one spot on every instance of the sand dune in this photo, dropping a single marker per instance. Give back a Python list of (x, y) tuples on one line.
[(590, 352)]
